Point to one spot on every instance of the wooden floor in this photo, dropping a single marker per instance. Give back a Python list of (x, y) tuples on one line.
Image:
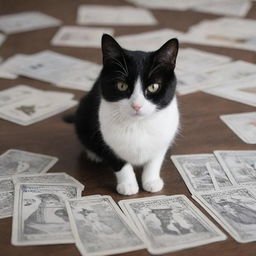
[(202, 131)]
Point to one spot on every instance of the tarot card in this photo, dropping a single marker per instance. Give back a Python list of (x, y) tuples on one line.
[(194, 172), (54, 68), (6, 197), (16, 93), (168, 5), (26, 21), (234, 209), (206, 61), (172, 223), (240, 90), (46, 178), (6, 203), (40, 215), (114, 15), (227, 32), (240, 166), (243, 125), (80, 37), (16, 161), (100, 228), (218, 175), (148, 41), (80, 78), (38, 108), (225, 7)]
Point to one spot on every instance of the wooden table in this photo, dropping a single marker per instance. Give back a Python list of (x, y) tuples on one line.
[(202, 130)]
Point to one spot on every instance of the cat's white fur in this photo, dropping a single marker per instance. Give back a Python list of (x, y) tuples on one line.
[(140, 137)]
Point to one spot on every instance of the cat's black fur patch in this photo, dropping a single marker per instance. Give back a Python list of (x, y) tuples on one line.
[(125, 66)]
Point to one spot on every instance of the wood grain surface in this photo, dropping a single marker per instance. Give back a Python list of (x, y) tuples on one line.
[(201, 129)]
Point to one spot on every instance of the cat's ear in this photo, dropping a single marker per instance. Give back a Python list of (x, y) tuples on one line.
[(110, 48), (167, 54)]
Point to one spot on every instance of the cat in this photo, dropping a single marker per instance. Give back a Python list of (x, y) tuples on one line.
[(130, 116)]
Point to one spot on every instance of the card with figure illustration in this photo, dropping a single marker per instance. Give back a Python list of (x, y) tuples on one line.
[(16, 161), (194, 171), (16, 93), (240, 165), (171, 223), (243, 125), (40, 215), (29, 111), (100, 228), (46, 178), (234, 209), (26, 21), (6, 197)]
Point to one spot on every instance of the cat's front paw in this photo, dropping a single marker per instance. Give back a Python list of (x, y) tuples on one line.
[(153, 185), (127, 189)]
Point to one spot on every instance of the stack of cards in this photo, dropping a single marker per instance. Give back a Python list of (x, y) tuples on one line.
[(170, 223), (40, 215), (17, 162), (25, 105), (54, 68), (114, 15), (217, 181), (243, 125), (26, 21)]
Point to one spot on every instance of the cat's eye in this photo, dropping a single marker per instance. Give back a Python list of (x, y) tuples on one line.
[(121, 86), (153, 88)]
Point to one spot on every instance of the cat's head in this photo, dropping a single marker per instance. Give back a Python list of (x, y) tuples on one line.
[(138, 83)]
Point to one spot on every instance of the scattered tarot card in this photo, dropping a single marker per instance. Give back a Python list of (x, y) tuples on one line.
[(46, 178), (100, 228), (171, 223), (225, 7), (40, 215), (234, 209), (193, 169), (114, 15), (243, 125), (148, 41), (227, 31), (240, 90), (16, 161), (240, 166), (206, 61), (16, 93), (80, 37), (26, 21), (6, 197), (32, 110), (54, 68)]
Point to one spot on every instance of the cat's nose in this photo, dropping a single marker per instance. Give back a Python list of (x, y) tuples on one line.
[(136, 107)]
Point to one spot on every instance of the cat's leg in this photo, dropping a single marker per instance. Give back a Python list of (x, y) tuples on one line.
[(126, 181), (151, 180)]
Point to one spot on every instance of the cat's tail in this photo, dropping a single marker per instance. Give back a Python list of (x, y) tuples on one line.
[(69, 118)]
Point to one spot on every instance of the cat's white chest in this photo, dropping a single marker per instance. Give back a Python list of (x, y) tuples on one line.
[(138, 140)]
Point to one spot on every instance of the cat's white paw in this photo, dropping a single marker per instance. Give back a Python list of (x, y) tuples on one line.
[(153, 185), (127, 189)]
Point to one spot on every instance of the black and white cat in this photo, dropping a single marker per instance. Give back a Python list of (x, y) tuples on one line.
[(130, 117)]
